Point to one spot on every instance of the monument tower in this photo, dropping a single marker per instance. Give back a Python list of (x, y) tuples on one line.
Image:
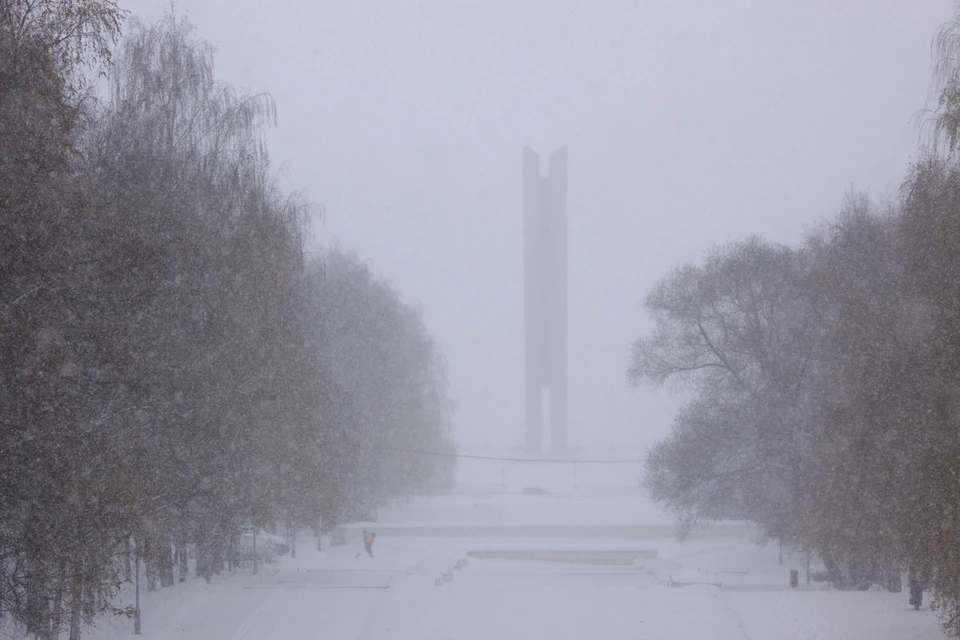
[(545, 298)]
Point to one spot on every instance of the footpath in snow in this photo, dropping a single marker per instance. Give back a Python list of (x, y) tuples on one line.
[(495, 586)]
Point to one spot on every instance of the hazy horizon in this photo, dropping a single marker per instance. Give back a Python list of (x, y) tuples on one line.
[(686, 127)]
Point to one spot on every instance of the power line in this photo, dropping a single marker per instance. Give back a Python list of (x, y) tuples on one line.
[(447, 454), (575, 460)]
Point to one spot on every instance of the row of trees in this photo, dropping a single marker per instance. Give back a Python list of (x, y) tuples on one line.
[(824, 380), (174, 367)]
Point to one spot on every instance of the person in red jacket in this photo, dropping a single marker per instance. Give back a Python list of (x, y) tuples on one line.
[(368, 538)]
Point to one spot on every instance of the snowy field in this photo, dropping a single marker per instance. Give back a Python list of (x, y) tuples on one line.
[(493, 586)]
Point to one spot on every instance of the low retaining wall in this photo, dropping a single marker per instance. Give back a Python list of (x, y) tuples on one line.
[(346, 532), (612, 557)]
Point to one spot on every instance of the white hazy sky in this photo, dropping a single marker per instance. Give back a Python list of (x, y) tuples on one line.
[(689, 124)]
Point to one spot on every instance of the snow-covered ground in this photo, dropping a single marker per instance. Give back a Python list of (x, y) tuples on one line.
[(430, 587)]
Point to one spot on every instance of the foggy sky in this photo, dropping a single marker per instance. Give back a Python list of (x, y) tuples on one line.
[(689, 124)]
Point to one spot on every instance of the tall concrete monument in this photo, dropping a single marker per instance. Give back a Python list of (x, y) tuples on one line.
[(545, 297)]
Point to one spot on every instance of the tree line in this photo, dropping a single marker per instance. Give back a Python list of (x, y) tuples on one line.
[(824, 378), (175, 367)]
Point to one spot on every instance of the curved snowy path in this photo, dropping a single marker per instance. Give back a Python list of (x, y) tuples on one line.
[(401, 594), (337, 596), (504, 600)]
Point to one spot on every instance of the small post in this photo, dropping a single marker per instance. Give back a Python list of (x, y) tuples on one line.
[(254, 550), (781, 552), (808, 568), (136, 608), (794, 578)]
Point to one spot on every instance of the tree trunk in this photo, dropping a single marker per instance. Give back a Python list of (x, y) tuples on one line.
[(55, 621), (32, 622), (36, 601), (45, 631), (127, 560), (150, 563), (182, 554), (76, 601), (217, 556), (204, 560), (165, 562), (233, 553), (136, 605), (916, 590), (200, 551), (91, 579), (834, 574)]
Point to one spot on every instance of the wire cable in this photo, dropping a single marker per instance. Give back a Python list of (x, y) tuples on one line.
[(447, 454)]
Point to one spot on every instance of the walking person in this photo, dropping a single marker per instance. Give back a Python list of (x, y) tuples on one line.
[(368, 538)]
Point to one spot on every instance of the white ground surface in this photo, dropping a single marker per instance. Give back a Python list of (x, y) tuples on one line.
[(413, 588)]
